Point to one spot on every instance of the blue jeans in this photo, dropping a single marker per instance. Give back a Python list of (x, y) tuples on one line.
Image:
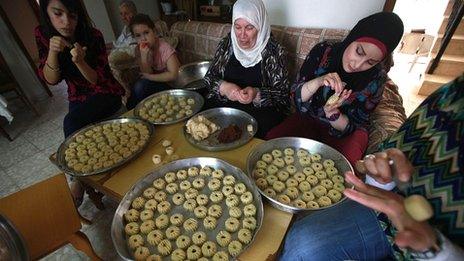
[(142, 89), (95, 108), (348, 231)]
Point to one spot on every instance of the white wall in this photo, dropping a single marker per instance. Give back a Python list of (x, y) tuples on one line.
[(149, 7), (338, 14), (428, 14), (19, 65), (98, 14)]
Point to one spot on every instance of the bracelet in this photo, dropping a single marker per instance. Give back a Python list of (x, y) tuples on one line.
[(431, 252), (334, 116), (51, 68)]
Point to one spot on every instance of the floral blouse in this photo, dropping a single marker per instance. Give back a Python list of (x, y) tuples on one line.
[(274, 88), (357, 107), (78, 87)]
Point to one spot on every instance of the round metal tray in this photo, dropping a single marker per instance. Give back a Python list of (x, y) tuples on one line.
[(223, 117), (327, 152), (60, 155), (12, 246), (117, 227), (191, 76), (199, 101)]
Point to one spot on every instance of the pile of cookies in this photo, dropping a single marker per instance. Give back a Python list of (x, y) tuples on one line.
[(299, 178), (105, 145), (193, 213), (166, 108)]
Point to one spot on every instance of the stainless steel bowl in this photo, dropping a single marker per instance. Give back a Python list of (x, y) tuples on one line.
[(60, 155), (199, 101), (191, 76), (117, 227), (224, 117), (312, 146)]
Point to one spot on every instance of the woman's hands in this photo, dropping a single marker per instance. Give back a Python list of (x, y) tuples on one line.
[(379, 168), (418, 236), (78, 53), (332, 108), (57, 44), (247, 95), (331, 79), (234, 93)]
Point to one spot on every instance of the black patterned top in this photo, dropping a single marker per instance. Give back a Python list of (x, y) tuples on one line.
[(274, 89)]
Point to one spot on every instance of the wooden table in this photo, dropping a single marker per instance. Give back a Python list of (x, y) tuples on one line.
[(117, 183)]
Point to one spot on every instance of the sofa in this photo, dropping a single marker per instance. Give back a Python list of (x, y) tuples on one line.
[(197, 41)]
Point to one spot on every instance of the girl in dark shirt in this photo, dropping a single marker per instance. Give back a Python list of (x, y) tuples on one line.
[(71, 49)]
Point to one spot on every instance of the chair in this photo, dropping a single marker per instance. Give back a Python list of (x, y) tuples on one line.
[(45, 216), (8, 84)]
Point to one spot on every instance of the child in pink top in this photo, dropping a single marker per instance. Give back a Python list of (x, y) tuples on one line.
[(158, 61)]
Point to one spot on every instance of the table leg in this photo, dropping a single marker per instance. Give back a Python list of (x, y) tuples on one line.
[(95, 196)]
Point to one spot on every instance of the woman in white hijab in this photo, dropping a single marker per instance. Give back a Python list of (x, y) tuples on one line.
[(249, 70)]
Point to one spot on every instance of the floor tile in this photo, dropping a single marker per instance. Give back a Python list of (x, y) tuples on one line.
[(29, 171), (53, 138), (7, 185), (41, 130), (16, 155)]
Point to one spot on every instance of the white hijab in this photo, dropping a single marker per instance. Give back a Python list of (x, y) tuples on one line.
[(254, 12)]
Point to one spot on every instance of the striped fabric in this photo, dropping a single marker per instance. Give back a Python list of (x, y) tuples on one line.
[(433, 140)]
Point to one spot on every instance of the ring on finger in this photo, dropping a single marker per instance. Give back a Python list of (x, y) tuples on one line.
[(369, 156)]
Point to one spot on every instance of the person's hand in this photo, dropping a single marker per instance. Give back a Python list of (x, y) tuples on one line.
[(230, 90), (145, 76), (333, 80), (247, 95), (57, 44), (379, 166), (332, 108), (418, 236), (145, 52), (78, 53)]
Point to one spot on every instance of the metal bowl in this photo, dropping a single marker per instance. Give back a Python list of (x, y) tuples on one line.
[(191, 76), (199, 101), (12, 245), (327, 152), (117, 227), (223, 117), (60, 155)]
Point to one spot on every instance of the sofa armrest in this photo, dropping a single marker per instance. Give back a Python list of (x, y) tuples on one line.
[(387, 117)]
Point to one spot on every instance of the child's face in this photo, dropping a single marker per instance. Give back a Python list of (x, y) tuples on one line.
[(144, 35), (62, 20)]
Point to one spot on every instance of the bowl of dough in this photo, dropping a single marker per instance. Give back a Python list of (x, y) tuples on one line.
[(298, 174)]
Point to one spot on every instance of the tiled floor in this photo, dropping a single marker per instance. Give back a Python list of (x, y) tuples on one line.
[(24, 161)]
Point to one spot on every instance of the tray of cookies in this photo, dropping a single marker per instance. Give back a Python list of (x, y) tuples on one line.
[(188, 209), (298, 174), (103, 146), (169, 107), (220, 129)]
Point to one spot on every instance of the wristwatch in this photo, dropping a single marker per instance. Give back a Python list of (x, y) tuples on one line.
[(430, 253)]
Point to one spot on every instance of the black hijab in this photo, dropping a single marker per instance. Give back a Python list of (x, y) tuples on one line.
[(386, 27)]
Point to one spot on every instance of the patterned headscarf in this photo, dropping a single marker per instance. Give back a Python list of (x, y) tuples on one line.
[(254, 12)]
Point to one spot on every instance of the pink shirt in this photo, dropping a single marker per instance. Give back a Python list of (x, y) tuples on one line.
[(161, 56)]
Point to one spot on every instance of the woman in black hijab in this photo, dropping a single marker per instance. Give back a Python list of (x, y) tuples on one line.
[(350, 71)]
